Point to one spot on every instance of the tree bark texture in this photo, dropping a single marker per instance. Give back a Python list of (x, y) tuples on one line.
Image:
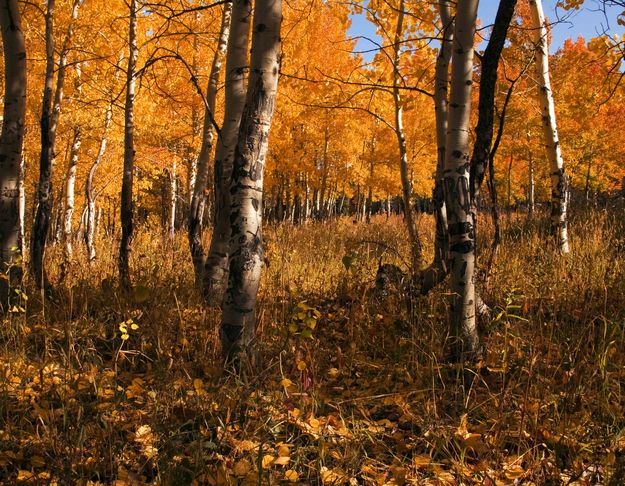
[(215, 275), (246, 188), (457, 191), (11, 139), (559, 180)]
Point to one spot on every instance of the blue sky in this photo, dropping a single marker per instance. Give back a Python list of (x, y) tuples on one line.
[(588, 21)]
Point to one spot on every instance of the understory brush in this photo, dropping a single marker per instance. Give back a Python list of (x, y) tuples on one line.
[(102, 387)]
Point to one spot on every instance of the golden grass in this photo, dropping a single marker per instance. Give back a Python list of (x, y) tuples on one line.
[(367, 399)]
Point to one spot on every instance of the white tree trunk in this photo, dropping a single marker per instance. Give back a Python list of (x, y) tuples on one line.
[(415, 243), (11, 138), (246, 189), (215, 274), (173, 194), (559, 183), (198, 200), (437, 271), (456, 183), (70, 179)]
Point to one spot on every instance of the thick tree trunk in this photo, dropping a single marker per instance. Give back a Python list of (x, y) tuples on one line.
[(22, 209), (127, 204), (415, 243), (208, 134), (559, 180), (246, 244), (215, 275), (438, 270), (461, 229), (11, 142)]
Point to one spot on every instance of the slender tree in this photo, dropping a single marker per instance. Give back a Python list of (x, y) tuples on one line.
[(12, 136), (215, 273), (208, 134), (559, 180), (50, 112), (127, 204), (246, 188), (456, 183), (415, 243), (70, 180), (437, 271)]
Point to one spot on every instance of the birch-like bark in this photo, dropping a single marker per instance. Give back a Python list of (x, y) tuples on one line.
[(50, 113), (215, 274), (70, 180), (196, 211), (127, 205), (531, 189), (246, 189), (173, 194), (456, 183), (21, 188), (415, 243), (438, 270), (11, 140), (559, 181), (89, 190)]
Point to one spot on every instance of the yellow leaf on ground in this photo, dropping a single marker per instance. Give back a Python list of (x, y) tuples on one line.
[(291, 475), (241, 468)]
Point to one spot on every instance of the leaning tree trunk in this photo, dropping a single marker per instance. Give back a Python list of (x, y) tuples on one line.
[(215, 275), (559, 182), (246, 188), (415, 243), (127, 206), (11, 140), (50, 113), (460, 225), (196, 211), (438, 270)]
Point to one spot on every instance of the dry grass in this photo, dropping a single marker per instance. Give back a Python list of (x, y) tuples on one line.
[(351, 390)]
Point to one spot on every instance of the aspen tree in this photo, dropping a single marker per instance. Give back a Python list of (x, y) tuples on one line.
[(456, 185), (559, 181), (127, 205), (12, 137), (216, 267), (246, 188), (208, 134)]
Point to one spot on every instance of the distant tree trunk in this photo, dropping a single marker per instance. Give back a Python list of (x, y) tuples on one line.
[(461, 228), (127, 204), (50, 112), (215, 275), (530, 182), (89, 190), (208, 134), (246, 189), (22, 208), (559, 181), (438, 270), (173, 194), (415, 243), (70, 181), (11, 141)]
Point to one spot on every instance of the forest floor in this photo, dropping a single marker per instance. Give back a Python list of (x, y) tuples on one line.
[(101, 388)]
